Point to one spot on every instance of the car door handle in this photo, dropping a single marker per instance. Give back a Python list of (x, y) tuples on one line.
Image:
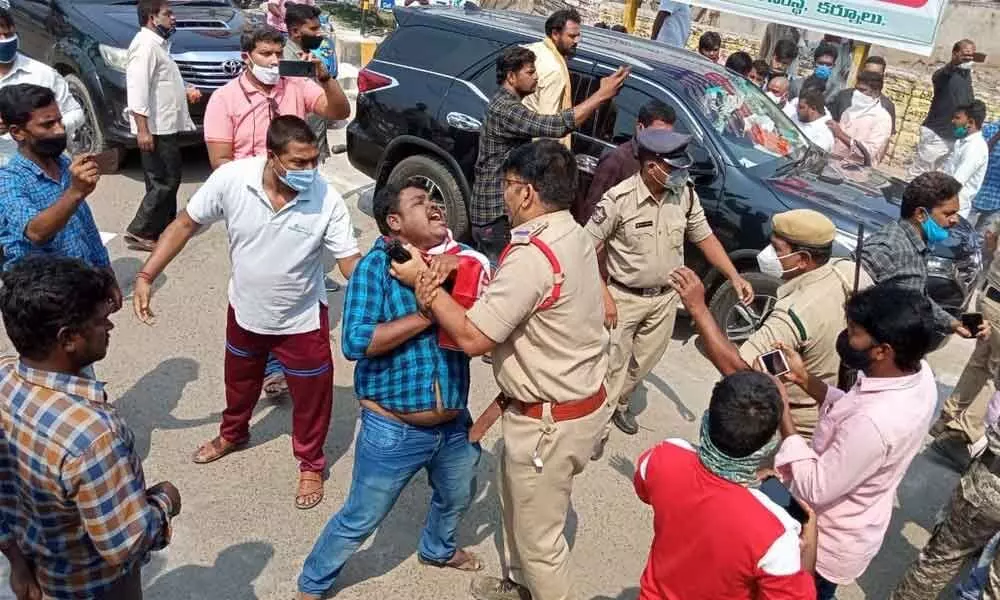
[(463, 121), (587, 163)]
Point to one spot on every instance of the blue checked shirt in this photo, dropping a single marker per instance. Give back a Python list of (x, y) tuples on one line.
[(25, 191), (403, 379), (72, 492), (988, 198)]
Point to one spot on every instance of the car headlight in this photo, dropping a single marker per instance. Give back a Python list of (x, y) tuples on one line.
[(116, 58), (844, 243)]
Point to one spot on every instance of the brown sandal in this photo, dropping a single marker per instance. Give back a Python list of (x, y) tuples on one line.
[(215, 449), (134, 242), (310, 490), (462, 560)]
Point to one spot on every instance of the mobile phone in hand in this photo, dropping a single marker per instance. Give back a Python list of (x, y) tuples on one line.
[(107, 161), (397, 252), (779, 494), (972, 322), (296, 68), (774, 362)]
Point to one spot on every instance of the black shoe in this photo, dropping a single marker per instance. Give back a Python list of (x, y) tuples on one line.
[(625, 421), (955, 450)]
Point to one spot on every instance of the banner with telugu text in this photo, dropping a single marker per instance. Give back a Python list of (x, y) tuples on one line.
[(909, 25)]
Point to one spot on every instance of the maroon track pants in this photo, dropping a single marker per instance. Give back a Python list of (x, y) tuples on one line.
[(308, 367)]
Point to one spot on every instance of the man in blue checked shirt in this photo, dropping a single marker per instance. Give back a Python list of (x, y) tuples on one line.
[(413, 396), (986, 205), (43, 208)]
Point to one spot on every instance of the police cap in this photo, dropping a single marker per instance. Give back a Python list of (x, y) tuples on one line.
[(668, 146), (804, 227)]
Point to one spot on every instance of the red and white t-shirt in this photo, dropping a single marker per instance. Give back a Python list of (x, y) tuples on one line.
[(714, 539)]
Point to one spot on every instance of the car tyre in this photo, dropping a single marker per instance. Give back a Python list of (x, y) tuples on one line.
[(90, 136), (441, 184), (723, 305)]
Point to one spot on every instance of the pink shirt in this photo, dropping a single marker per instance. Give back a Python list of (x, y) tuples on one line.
[(240, 114), (863, 444), (279, 22), (869, 127)]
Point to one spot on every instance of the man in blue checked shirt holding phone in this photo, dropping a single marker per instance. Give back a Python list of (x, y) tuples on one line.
[(986, 205), (413, 395)]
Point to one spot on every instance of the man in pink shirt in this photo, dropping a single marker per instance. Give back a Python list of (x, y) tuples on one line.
[(276, 12), (866, 438), (863, 131), (239, 113)]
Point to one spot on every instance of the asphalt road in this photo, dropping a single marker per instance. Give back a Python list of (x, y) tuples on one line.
[(240, 537)]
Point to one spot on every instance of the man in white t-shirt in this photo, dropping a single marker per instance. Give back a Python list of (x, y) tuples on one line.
[(673, 23), (280, 216), (808, 112), (970, 155)]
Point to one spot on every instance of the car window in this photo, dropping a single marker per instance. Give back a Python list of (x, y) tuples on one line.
[(486, 79), (615, 120), (436, 49)]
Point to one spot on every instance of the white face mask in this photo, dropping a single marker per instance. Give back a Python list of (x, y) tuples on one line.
[(861, 100), (775, 98), (770, 263), (674, 179), (967, 65), (265, 75)]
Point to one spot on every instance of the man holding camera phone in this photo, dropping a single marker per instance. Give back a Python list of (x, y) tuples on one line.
[(304, 36)]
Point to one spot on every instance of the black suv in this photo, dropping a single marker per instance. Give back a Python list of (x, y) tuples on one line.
[(87, 42), (423, 96)]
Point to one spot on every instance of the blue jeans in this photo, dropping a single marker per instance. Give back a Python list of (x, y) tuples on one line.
[(272, 366), (387, 454), (825, 590)]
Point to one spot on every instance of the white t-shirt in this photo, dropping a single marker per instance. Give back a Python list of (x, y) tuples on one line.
[(676, 28), (277, 282), (967, 163), (817, 131)]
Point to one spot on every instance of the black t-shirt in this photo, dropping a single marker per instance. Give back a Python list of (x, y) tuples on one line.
[(952, 88)]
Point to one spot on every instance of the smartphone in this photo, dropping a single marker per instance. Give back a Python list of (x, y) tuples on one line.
[(397, 252), (296, 68), (779, 494), (774, 362), (979, 57), (972, 321), (107, 161)]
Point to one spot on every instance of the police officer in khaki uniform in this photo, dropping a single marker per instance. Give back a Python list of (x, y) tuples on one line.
[(542, 318), (809, 313), (639, 227)]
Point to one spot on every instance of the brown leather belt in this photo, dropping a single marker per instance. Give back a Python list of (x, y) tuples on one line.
[(562, 411), (644, 292)]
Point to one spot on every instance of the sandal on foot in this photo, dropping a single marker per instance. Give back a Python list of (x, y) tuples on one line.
[(310, 490), (462, 560), (135, 242), (275, 385), (215, 449)]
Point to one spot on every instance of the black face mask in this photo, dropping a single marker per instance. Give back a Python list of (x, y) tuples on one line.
[(311, 42), (850, 357), (165, 32), (49, 147)]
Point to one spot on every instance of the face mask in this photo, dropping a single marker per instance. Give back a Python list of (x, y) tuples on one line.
[(862, 100), (165, 32), (823, 71), (934, 232), (850, 357), (311, 42), (961, 131), (8, 50), (299, 181), (774, 97), (265, 75), (49, 147), (967, 65), (770, 263), (674, 179)]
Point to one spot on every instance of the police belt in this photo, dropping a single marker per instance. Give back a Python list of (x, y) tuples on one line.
[(644, 292), (561, 411), (990, 461)]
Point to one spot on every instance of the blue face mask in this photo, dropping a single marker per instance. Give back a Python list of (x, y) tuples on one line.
[(934, 232), (299, 181), (823, 71), (8, 50)]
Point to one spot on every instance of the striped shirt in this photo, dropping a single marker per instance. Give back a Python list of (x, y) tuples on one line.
[(72, 493), (988, 198), (404, 379)]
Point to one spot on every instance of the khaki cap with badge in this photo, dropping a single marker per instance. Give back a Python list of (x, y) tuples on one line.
[(804, 227)]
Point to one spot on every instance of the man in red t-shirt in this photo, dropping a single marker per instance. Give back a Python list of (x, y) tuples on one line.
[(716, 537)]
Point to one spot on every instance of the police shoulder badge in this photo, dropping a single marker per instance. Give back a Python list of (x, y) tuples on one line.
[(600, 215)]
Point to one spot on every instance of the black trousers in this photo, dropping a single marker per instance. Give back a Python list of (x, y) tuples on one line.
[(492, 238), (162, 172)]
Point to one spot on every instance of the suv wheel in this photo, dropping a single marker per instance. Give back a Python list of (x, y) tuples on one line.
[(441, 186), (89, 137), (739, 322)]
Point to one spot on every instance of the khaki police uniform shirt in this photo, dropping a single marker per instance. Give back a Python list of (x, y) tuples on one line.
[(808, 316), (554, 355), (644, 236)]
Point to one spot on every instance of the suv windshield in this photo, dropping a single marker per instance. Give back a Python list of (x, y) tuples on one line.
[(752, 128)]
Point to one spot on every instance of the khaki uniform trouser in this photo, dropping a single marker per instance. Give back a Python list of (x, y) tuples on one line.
[(965, 409), (645, 326), (535, 500)]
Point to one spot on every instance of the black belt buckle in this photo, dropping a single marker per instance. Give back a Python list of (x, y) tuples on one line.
[(993, 294)]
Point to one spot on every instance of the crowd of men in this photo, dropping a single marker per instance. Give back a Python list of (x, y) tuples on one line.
[(572, 296)]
